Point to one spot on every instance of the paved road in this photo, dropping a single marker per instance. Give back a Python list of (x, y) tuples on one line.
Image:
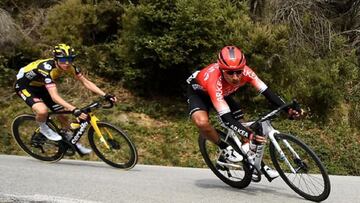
[(24, 179)]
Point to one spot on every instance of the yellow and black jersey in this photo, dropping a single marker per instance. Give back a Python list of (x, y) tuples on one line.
[(43, 72)]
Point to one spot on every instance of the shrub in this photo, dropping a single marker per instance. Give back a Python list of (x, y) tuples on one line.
[(163, 41)]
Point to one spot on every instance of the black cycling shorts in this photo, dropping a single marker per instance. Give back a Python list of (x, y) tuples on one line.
[(199, 100), (32, 95)]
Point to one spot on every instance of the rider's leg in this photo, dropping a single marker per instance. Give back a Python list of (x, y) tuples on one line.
[(64, 121), (33, 97), (201, 120), (199, 105), (41, 114)]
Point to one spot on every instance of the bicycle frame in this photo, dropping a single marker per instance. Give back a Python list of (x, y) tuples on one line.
[(83, 125), (268, 131)]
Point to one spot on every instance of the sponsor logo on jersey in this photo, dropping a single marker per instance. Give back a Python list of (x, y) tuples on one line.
[(48, 80), (249, 73), (47, 66), (30, 75), (219, 91), (207, 74), (192, 76), (197, 87)]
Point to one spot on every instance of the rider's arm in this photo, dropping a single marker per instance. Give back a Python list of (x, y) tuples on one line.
[(256, 82), (216, 95), (273, 98), (235, 125), (90, 85), (52, 89)]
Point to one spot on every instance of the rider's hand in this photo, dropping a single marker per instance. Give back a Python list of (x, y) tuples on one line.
[(258, 139), (79, 114), (295, 114), (110, 97)]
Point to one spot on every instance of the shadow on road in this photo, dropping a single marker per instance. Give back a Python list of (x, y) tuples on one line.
[(252, 190), (82, 163)]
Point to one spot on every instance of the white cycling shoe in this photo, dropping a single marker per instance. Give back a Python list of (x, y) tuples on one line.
[(231, 155), (49, 133), (84, 150), (271, 172)]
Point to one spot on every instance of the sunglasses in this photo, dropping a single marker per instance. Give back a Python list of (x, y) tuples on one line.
[(232, 72), (66, 59)]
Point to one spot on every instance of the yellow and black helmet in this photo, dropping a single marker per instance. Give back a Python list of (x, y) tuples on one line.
[(63, 50)]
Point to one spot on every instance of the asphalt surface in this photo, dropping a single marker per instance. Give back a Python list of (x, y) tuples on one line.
[(24, 179)]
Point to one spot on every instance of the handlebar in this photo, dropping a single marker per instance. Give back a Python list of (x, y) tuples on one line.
[(97, 104), (294, 105), (90, 107)]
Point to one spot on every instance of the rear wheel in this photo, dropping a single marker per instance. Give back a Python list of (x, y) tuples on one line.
[(311, 180), (26, 132), (114, 147), (236, 175)]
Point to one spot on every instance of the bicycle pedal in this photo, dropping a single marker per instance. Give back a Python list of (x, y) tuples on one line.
[(256, 178)]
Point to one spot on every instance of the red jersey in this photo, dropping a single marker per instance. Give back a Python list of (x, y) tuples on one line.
[(211, 81)]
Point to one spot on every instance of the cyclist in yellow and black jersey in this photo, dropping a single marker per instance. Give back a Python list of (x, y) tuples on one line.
[(43, 72), (36, 86)]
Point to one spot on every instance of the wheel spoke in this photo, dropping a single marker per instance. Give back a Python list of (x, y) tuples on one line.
[(27, 135), (304, 182), (113, 146), (235, 175)]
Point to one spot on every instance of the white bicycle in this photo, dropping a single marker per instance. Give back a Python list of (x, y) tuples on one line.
[(297, 164)]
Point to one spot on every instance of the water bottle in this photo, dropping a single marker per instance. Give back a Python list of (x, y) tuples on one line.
[(250, 150), (74, 126), (259, 154)]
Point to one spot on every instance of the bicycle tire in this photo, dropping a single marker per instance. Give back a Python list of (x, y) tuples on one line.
[(121, 141), (304, 165), (246, 173), (28, 145)]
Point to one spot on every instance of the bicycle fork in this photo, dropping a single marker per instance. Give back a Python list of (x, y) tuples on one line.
[(93, 122), (280, 151)]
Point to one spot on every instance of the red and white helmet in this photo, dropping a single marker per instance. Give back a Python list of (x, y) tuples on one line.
[(231, 58)]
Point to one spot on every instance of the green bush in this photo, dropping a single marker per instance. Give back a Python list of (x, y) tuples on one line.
[(163, 41), (82, 24), (91, 29)]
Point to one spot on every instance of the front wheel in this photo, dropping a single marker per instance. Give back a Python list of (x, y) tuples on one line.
[(26, 132), (235, 175), (114, 147), (310, 179)]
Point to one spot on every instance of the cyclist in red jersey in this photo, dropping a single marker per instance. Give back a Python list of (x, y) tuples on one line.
[(213, 87)]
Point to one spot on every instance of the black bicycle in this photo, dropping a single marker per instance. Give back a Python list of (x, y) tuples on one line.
[(297, 164), (110, 143)]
